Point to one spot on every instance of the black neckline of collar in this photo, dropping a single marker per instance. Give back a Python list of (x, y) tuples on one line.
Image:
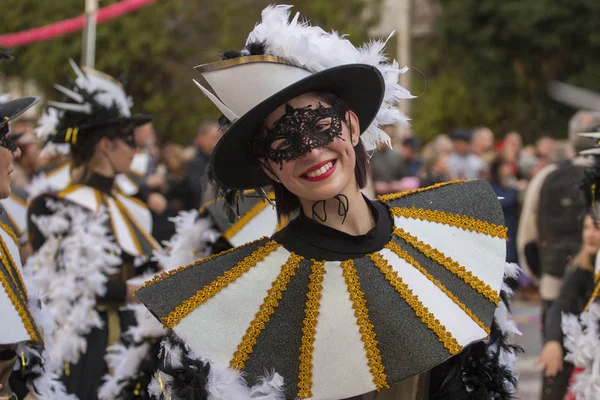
[(99, 182)]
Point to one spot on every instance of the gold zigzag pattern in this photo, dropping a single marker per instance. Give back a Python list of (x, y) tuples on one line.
[(395, 196), (267, 308), (311, 313), (395, 248), (201, 296), (361, 313), (454, 267), (456, 220), (422, 312)]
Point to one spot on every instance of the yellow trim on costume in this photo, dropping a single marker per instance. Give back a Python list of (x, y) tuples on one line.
[(75, 133), (10, 233), (201, 296), (18, 200), (70, 189), (126, 219), (422, 312), (10, 264), (145, 234), (167, 274), (593, 296), (395, 196), (232, 62), (243, 221), (454, 267), (13, 222), (460, 221), (311, 314), (361, 312), (395, 248), (265, 311), (26, 317), (57, 169), (68, 134)]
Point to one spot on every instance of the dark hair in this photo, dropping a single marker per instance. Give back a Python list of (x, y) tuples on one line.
[(83, 150), (495, 170), (288, 203)]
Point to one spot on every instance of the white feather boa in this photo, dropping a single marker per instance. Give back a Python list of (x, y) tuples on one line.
[(190, 242), (46, 384), (318, 50), (582, 342), (70, 270)]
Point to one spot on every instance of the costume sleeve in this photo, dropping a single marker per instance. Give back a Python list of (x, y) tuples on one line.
[(527, 235), (572, 300)]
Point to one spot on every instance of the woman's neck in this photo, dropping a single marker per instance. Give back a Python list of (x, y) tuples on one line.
[(102, 168), (347, 212)]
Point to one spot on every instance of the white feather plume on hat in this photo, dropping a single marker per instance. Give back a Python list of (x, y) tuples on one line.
[(317, 50)]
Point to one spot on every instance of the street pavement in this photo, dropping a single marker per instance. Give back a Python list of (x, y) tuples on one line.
[(527, 316)]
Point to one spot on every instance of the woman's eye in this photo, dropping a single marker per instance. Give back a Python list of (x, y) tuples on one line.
[(281, 144), (322, 125)]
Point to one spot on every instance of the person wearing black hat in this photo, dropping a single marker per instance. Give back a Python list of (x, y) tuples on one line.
[(87, 237), (24, 334), (360, 299)]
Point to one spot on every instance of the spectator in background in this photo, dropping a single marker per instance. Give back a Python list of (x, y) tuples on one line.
[(29, 162), (550, 226), (483, 144), (435, 169), (504, 183), (410, 154), (179, 194), (545, 149), (206, 139), (462, 163)]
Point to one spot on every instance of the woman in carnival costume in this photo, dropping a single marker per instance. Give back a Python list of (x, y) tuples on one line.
[(577, 308), (89, 240), (388, 299), (26, 326)]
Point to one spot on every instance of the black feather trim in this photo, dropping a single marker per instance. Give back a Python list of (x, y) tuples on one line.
[(229, 54), (189, 379), (483, 374), (256, 48)]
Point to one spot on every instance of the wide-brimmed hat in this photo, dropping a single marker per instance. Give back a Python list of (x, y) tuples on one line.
[(14, 108), (96, 100), (295, 58)]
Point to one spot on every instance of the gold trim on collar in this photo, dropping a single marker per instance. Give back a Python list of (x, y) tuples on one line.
[(242, 222), (361, 312), (460, 221), (422, 312), (232, 62), (395, 196), (454, 267), (267, 308), (403, 254), (229, 276), (311, 313)]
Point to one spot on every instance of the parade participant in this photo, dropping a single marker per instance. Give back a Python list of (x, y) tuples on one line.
[(352, 296), (87, 237), (579, 298), (574, 295), (23, 325)]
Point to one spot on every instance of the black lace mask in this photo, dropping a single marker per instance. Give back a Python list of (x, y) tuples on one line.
[(299, 131)]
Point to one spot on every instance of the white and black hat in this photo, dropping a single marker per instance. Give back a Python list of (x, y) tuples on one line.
[(283, 59), (96, 100)]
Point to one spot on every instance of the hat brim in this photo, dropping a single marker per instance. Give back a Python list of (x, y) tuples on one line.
[(12, 109), (133, 121), (233, 162)]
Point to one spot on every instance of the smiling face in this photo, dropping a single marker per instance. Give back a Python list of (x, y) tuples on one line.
[(309, 146)]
